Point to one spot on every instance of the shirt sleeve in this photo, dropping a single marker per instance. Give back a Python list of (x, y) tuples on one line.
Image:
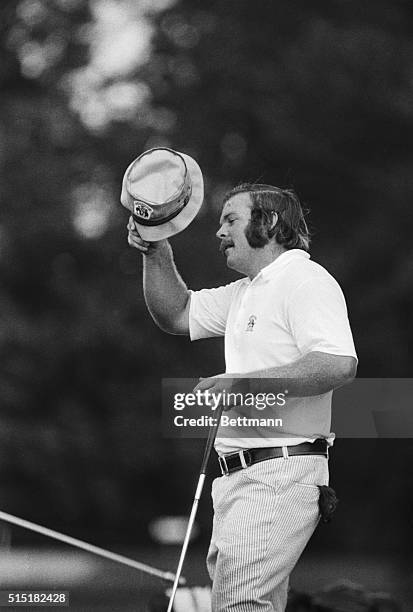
[(318, 319), (208, 311)]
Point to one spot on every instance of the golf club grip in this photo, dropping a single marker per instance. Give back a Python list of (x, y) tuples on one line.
[(212, 434)]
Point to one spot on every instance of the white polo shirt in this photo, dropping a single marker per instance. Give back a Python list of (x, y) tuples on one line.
[(292, 307)]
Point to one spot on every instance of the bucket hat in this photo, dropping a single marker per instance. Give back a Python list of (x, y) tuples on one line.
[(164, 190)]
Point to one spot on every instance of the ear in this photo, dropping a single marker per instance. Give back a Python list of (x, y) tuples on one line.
[(274, 220)]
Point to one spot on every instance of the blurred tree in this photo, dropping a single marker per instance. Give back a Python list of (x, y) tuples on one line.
[(315, 96)]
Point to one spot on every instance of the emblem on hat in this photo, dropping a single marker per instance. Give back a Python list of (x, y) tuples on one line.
[(142, 210)]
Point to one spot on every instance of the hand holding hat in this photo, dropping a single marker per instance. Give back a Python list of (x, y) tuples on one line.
[(163, 190), (135, 239)]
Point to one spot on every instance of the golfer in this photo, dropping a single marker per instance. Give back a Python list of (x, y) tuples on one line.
[(286, 329)]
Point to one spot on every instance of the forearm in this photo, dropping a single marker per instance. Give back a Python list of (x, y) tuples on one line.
[(166, 294), (313, 374)]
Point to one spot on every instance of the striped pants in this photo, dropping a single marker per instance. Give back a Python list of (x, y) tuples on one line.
[(264, 516)]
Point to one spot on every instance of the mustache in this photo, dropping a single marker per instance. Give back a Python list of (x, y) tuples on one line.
[(224, 244)]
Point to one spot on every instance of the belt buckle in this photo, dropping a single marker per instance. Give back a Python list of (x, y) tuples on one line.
[(223, 465)]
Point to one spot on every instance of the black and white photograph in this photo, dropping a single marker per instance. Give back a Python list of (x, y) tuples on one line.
[(206, 298)]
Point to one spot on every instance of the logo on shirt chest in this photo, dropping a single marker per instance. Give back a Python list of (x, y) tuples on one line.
[(251, 323)]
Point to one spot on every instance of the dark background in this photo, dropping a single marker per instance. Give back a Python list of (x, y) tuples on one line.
[(314, 95)]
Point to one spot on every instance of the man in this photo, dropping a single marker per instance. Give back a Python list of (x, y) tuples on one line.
[(286, 330)]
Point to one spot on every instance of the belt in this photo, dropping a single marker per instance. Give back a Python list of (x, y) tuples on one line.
[(245, 458)]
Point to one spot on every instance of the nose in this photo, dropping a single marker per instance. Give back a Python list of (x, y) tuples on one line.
[(221, 233)]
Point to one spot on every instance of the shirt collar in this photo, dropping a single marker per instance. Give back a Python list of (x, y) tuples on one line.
[(281, 261)]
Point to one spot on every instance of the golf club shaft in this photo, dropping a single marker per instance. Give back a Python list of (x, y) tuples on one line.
[(101, 552), (207, 452), (186, 540)]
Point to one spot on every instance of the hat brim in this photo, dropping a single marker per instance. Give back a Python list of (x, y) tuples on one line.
[(182, 219)]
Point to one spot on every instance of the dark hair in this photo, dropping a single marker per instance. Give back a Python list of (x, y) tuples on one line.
[(290, 231)]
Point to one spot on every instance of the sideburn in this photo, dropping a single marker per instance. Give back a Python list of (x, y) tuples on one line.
[(256, 233)]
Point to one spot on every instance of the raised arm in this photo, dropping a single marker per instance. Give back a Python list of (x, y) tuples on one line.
[(166, 295)]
